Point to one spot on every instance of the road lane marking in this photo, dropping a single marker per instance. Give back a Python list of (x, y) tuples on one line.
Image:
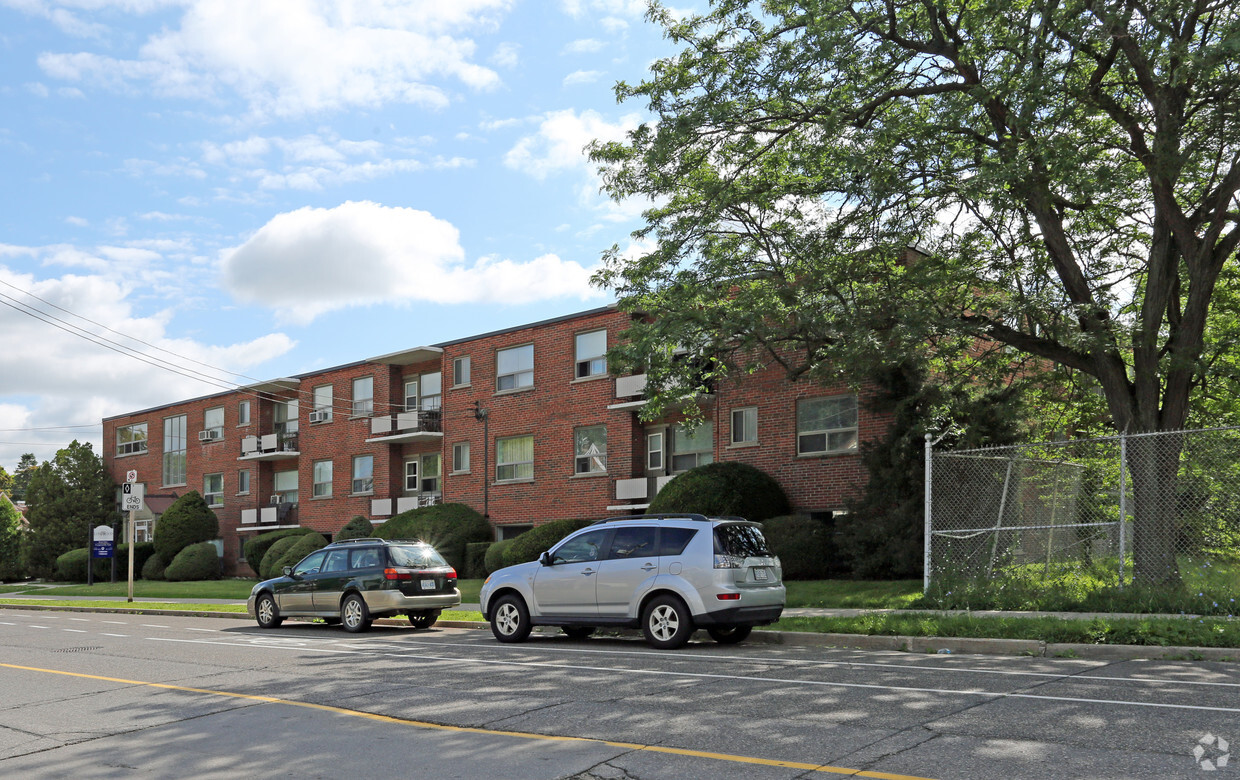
[(205, 630), (74, 630), (81, 620), (153, 625), (736, 759), (117, 622), (106, 634)]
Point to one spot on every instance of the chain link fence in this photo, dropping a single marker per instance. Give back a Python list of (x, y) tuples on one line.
[(1150, 508)]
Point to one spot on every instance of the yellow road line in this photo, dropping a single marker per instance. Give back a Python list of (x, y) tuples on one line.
[(736, 759)]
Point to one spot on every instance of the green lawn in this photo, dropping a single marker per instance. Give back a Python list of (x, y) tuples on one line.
[(152, 589), (853, 594)]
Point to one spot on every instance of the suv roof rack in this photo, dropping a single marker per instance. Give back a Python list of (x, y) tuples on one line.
[(694, 516), (362, 540)]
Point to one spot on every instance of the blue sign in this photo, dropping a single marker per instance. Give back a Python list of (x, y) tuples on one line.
[(101, 549)]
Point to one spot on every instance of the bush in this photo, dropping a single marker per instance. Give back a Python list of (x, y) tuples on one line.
[(153, 569), (475, 560), (142, 552), (805, 547), (268, 568), (303, 546), (188, 521), (71, 566), (529, 545), (257, 547), (196, 562), (494, 558), (357, 528), (723, 489), (446, 527)]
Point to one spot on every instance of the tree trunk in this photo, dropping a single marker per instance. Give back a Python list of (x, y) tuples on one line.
[(1154, 463)]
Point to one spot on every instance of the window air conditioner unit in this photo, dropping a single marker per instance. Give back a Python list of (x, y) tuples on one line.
[(211, 434), (275, 499), (318, 416)]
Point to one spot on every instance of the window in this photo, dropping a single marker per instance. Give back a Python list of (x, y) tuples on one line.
[(460, 371), (654, 451), (411, 476), (322, 404), (243, 413), (432, 391), (311, 563), (131, 439), (827, 425), (285, 483), (337, 560), (243, 481), (580, 549), (322, 479), (745, 425), (460, 456), (590, 447), (174, 450), (673, 541), (514, 458), (411, 395), (364, 396), (285, 413), (514, 368), (430, 473), (591, 349), (213, 421), (633, 542), (364, 474), (690, 450), (213, 489)]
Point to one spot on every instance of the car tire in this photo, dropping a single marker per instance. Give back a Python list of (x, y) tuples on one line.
[(423, 619), (578, 632), (354, 614), (266, 612), (510, 620), (666, 622), (729, 635)]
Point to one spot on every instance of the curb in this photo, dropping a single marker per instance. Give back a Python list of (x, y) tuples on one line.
[(904, 644)]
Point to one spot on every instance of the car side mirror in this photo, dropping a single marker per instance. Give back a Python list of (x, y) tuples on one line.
[(545, 558), (288, 571)]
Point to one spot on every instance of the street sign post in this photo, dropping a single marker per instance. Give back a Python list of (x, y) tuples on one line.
[(132, 495)]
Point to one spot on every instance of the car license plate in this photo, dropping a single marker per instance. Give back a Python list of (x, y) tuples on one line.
[(428, 584), (760, 575)]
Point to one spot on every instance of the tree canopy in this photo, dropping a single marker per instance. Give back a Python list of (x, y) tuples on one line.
[(64, 496)]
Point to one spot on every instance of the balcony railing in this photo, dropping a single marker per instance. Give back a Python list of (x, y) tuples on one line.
[(269, 446), (639, 490), (276, 514), (407, 426), (383, 507)]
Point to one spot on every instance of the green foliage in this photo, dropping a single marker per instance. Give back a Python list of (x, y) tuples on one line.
[(357, 528), (6, 482), (723, 489), (188, 521), (804, 546), (496, 554), (64, 495), (446, 527), (71, 566), (142, 552), (154, 567), (534, 542), (194, 562), (257, 547), (23, 475), (475, 560), (10, 542), (301, 547), (268, 567)]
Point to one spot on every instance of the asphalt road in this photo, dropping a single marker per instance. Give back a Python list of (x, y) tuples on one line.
[(88, 695)]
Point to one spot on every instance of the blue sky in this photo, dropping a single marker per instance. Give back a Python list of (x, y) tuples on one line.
[(268, 187)]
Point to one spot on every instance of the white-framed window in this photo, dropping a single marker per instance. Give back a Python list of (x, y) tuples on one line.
[(213, 421), (412, 469), (514, 458), (323, 401), (590, 449), (243, 482), (460, 457), (826, 425), (363, 396), (243, 413), (322, 479), (654, 451), (213, 489), (745, 425), (591, 354), (285, 416), (175, 438), (514, 368), (432, 391), (363, 473), (285, 484), (691, 449), (131, 439), (460, 371), (411, 394), (431, 471)]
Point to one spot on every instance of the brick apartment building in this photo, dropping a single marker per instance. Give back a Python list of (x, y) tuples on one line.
[(525, 425)]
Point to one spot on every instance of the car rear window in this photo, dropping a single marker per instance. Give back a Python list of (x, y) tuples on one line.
[(745, 541), (672, 541), (415, 555)]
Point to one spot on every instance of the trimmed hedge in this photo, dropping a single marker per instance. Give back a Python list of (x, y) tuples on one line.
[(268, 568), (475, 560), (357, 528), (446, 527), (806, 547), (723, 489), (188, 521), (257, 547), (494, 558), (529, 545), (71, 567), (302, 546), (196, 562), (153, 569)]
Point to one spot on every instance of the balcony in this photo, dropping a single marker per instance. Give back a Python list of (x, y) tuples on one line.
[(276, 515), (638, 489), (382, 507), (270, 446), (426, 425), (630, 392)]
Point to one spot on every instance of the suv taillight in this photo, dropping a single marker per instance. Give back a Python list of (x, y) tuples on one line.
[(397, 574), (729, 562)]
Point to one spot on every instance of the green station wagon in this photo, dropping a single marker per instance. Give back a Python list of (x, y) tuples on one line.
[(353, 582)]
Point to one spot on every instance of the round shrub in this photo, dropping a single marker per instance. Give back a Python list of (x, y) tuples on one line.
[(153, 569), (805, 547), (475, 559), (529, 545), (188, 521), (303, 546), (494, 558), (268, 569), (357, 528), (196, 562), (721, 490), (446, 527), (257, 547), (71, 566)]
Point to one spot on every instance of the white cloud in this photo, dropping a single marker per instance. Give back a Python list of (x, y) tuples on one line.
[(559, 145), (584, 46), (311, 261), (582, 77), (77, 221), (506, 55), (577, 8)]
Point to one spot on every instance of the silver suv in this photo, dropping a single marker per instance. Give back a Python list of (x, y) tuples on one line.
[(667, 574)]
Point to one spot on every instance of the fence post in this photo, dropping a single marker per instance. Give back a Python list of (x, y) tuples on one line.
[(1123, 500), (925, 577)]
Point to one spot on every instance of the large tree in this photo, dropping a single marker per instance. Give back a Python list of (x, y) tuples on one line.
[(23, 474), (64, 495), (1067, 171)]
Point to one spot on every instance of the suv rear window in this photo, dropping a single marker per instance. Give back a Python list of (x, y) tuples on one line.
[(672, 541), (415, 555), (744, 541)]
